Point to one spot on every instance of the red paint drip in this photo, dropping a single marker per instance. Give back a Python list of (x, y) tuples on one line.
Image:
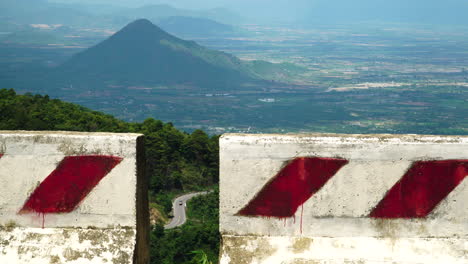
[(421, 189), (292, 186), (43, 220), (69, 184), (302, 213)]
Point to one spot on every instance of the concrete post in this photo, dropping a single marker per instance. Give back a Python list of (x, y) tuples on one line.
[(328, 198), (69, 197)]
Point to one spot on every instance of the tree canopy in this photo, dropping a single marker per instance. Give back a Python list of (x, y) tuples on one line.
[(176, 162)]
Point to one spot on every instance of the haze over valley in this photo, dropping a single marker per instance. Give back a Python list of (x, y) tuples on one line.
[(313, 66)]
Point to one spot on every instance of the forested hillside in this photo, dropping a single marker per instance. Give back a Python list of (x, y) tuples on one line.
[(176, 162)]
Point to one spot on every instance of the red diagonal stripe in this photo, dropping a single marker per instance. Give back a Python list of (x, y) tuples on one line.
[(292, 186), (421, 189), (69, 184)]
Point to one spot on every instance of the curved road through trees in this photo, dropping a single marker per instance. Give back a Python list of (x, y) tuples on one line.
[(178, 208)]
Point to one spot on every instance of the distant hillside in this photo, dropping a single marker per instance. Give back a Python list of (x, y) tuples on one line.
[(15, 7), (143, 54), (223, 15), (43, 12), (159, 11), (281, 72), (196, 27), (153, 11)]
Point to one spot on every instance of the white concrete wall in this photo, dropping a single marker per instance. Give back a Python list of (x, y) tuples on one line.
[(334, 225), (101, 229)]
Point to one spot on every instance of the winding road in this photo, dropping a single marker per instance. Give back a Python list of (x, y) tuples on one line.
[(178, 208)]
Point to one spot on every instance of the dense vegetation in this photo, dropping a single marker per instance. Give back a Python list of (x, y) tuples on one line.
[(176, 162)]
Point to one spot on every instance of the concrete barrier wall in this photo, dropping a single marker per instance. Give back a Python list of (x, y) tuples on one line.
[(326, 198), (72, 198)]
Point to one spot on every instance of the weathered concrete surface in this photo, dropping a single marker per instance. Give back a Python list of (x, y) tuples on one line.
[(339, 250), (108, 224), (340, 221), (67, 245)]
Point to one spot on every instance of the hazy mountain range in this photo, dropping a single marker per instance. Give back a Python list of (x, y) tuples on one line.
[(195, 27), (99, 15), (153, 12), (312, 12)]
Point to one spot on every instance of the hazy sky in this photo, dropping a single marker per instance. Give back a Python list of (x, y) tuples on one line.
[(423, 11), (285, 3)]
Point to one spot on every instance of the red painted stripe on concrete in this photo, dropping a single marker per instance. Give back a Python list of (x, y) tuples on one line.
[(292, 186), (421, 189), (69, 183)]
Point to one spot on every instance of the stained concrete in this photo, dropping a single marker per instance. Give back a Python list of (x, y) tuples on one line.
[(333, 226), (110, 225)]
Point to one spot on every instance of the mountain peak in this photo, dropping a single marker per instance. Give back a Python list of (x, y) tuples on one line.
[(142, 22), (142, 30), (142, 53)]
